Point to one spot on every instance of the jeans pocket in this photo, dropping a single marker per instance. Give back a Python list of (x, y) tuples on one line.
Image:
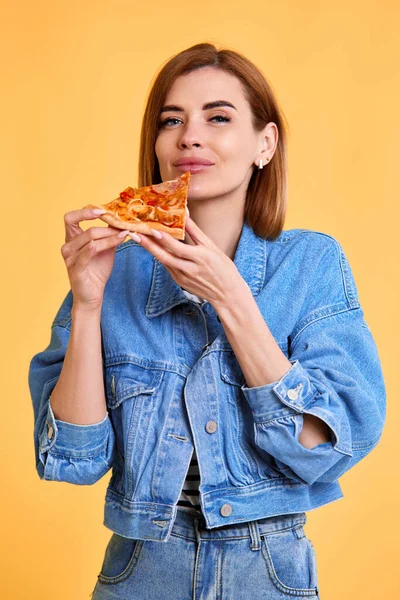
[(291, 561), (120, 559)]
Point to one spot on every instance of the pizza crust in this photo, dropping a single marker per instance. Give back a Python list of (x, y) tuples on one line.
[(142, 227)]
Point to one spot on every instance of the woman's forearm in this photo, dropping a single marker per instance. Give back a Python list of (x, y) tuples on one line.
[(79, 395), (259, 356)]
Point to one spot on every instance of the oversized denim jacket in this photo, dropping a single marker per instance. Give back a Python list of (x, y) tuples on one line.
[(173, 382)]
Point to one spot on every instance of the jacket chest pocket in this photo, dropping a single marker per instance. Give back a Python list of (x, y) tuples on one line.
[(230, 369), (132, 392), (126, 380), (242, 425)]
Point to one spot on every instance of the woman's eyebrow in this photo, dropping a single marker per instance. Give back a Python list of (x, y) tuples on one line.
[(216, 104)]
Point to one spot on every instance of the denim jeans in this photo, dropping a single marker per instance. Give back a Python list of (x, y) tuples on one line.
[(267, 559)]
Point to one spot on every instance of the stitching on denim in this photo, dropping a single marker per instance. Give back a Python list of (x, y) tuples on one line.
[(99, 452), (334, 312), (137, 549), (297, 524), (275, 579), (220, 552), (367, 444), (63, 323)]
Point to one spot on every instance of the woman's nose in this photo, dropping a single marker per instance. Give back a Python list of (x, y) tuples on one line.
[(188, 144), (190, 136)]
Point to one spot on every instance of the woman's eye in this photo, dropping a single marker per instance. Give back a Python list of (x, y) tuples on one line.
[(224, 119), (168, 121)]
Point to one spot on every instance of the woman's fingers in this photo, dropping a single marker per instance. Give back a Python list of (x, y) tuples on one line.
[(176, 247), (91, 242), (82, 258), (168, 250), (74, 217), (93, 233)]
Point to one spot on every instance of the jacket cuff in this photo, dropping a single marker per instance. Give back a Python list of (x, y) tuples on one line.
[(72, 440), (293, 395), (305, 465), (294, 390)]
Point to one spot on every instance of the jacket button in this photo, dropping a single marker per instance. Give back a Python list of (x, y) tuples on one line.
[(292, 394), (226, 510), (211, 427), (50, 430)]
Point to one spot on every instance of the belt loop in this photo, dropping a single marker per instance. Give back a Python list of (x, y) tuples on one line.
[(196, 528), (254, 535)]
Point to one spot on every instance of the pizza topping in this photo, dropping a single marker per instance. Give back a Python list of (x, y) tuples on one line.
[(129, 192), (166, 186), (162, 214), (163, 203)]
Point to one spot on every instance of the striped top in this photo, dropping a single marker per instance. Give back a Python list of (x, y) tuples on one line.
[(189, 498)]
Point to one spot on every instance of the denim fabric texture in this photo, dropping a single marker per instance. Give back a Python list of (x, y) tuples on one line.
[(173, 382), (269, 559)]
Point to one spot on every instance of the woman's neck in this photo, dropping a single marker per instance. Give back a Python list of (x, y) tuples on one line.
[(222, 226)]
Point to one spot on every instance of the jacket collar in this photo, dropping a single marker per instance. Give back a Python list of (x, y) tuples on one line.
[(249, 259)]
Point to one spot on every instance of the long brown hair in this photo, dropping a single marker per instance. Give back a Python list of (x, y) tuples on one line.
[(266, 198)]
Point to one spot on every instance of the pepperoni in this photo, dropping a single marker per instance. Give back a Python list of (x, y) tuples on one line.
[(125, 196)]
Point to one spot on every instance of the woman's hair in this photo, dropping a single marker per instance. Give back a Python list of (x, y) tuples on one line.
[(266, 198)]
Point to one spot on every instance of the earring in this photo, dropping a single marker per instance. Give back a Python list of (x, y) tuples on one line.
[(261, 162)]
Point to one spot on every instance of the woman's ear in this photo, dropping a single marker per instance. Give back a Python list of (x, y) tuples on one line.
[(270, 139)]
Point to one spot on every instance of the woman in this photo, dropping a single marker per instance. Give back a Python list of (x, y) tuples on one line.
[(228, 379)]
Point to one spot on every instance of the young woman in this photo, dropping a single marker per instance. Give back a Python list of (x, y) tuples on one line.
[(228, 380)]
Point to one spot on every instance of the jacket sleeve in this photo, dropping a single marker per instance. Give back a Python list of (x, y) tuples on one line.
[(335, 375), (79, 454)]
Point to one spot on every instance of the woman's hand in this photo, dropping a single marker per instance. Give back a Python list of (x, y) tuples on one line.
[(202, 269), (89, 256)]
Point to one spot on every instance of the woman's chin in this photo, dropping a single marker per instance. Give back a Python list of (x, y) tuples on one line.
[(199, 192)]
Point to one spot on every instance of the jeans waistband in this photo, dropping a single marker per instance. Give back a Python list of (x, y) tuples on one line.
[(193, 527)]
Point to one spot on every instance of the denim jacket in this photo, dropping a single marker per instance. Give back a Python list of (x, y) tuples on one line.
[(173, 383)]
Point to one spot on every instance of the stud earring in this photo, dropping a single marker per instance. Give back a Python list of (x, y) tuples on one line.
[(261, 166)]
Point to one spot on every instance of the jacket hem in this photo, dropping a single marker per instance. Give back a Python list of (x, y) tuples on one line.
[(154, 521)]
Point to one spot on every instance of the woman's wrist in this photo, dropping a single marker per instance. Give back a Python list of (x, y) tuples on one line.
[(79, 308)]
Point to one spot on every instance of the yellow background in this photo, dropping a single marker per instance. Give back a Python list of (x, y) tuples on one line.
[(75, 76)]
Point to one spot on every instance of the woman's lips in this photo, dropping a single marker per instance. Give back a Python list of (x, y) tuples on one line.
[(195, 168)]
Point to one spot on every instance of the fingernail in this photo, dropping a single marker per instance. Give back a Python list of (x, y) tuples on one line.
[(187, 212), (156, 233), (98, 211), (134, 236), (122, 234)]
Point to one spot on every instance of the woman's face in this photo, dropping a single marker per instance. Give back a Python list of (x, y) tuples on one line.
[(223, 135)]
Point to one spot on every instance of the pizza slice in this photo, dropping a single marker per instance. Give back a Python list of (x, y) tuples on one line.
[(161, 206)]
